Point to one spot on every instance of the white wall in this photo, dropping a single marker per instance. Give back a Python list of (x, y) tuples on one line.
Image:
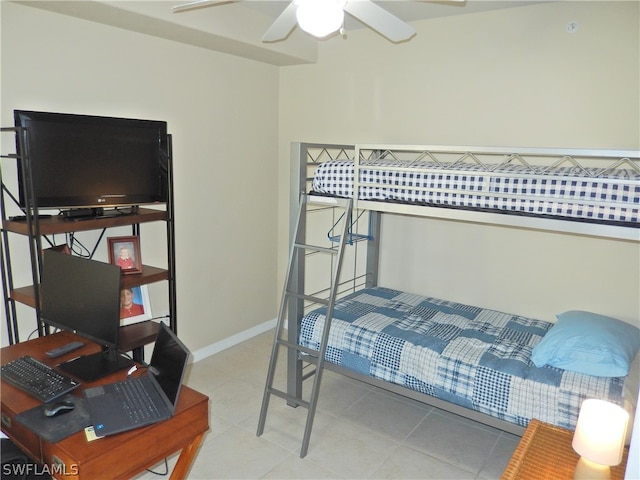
[(633, 461), (222, 112), (503, 78)]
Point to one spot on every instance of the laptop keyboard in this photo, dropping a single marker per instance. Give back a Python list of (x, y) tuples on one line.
[(138, 404)]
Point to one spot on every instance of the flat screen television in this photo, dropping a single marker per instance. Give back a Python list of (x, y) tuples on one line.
[(84, 161), (83, 296)]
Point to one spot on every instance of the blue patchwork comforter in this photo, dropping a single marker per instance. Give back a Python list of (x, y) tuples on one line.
[(473, 357)]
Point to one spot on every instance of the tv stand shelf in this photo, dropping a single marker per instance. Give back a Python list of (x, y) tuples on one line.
[(58, 224), (27, 296), (135, 336)]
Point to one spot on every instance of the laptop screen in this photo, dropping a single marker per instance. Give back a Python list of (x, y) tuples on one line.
[(168, 362)]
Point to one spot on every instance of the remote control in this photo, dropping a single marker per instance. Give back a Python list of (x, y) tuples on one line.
[(22, 218), (56, 352)]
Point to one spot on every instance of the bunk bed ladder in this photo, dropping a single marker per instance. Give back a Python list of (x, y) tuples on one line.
[(290, 294)]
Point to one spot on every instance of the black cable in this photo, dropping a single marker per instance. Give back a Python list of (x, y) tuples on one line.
[(166, 469), (77, 247), (34, 331)]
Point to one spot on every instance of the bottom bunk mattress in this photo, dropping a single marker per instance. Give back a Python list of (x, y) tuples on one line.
[(473, 357)]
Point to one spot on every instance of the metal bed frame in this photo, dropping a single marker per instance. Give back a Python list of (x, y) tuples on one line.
[(305, 157)]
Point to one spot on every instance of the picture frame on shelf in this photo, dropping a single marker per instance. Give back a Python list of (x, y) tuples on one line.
[(125, 253), (63, 248), (134, 305)]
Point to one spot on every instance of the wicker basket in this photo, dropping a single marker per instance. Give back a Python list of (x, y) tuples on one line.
[(545, 453)]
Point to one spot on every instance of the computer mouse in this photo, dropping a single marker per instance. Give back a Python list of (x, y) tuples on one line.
[(58, 408)]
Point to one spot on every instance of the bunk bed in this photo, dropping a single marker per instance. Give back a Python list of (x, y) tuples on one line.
[(471, 361)]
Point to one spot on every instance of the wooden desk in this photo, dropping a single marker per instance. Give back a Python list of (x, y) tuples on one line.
[(118, 456), (545, 453)]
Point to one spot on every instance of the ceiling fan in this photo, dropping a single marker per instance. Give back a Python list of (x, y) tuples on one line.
[(323, 17)]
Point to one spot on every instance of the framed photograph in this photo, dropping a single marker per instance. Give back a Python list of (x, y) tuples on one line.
[(64, 248), (134, 305), (125, 252)]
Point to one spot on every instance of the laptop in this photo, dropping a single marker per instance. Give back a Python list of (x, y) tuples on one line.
[(144, 400)]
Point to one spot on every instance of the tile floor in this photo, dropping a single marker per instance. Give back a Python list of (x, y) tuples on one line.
[(359, 432)]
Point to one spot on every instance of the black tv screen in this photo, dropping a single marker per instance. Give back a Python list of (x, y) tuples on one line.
[(80, 161), (83, 296)]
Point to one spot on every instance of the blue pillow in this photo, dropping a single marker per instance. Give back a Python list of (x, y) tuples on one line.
[(588, 343)]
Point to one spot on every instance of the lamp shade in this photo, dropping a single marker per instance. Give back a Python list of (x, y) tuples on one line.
[(320, 17), (600, 432)]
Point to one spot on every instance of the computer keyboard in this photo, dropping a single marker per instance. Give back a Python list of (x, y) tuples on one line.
[(138, 404), (37, 379)]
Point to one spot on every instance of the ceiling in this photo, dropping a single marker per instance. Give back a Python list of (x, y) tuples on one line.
[(237, 27)]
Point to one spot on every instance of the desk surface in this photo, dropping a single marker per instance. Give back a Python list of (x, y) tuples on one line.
[(545, 453), (117, 456)]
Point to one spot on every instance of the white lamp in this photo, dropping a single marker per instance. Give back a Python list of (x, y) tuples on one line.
[(320, 17), (599, 438)]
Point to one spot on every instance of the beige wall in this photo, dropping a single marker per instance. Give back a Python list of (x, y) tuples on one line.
[(506, 78), (222, 112), (512, 77)]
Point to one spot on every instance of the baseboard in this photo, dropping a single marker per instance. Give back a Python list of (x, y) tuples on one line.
[(232, 340)]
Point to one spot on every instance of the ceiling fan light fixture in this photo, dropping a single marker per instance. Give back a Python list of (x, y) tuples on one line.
[(320, 17)]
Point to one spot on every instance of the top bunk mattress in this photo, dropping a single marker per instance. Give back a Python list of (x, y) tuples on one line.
[(567, 192)]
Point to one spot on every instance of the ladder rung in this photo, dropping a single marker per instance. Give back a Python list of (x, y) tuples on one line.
[(311, 298), (321, 200), (309, 351), (308, 374), (289, 398), (316, 248)]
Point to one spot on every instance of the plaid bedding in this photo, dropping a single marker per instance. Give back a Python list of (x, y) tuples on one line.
[(473, 357), (566, 192)]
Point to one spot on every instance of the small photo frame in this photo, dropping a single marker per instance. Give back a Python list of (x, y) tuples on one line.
[(64, 248), (125, 252), (134, 305)]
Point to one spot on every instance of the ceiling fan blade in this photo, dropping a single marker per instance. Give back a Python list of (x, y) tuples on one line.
[(197, 4), (379, 20), (283, 25)]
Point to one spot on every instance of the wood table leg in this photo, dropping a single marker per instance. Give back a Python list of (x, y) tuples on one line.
[(186, 458)]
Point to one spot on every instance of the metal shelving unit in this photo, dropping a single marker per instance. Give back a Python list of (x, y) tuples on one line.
[(36, 229)]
